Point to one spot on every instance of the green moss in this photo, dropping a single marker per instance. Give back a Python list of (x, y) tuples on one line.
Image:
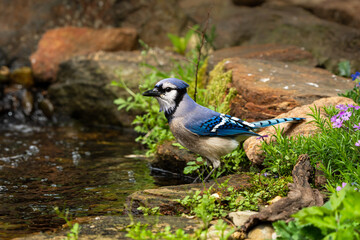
[(219, 94)]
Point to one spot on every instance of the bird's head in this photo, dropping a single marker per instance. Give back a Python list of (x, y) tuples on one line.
[(169, 92)]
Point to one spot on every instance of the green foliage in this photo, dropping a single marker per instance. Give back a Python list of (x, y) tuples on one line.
[(354, 94), (221, 226), (180, 43), (226, 199), (338, 219), (333, 148), (149, 211), (73, 234), (195, 166), (344, 68), (233, 162), (141, 231)]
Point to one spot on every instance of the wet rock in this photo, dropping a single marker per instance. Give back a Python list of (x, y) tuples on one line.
[(329, 42), (4, 74), (46, 107), (262, 232), (22, 76), (272, 52), (252, 146), (239, 218), (113, 227), (266, 89), (61, 44), (167, 153), (165, 197), (84, 88)]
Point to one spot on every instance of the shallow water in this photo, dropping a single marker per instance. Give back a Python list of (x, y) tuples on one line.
[(87, 171)]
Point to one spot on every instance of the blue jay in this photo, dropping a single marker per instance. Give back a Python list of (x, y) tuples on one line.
[(200, 129)]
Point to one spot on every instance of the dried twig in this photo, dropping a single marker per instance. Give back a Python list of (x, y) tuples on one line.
[(202, 41)]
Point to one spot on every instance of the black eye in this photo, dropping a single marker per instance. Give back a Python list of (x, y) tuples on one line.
[(168, 89)]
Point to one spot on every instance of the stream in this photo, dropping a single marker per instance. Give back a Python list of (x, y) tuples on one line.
[(89, 171)]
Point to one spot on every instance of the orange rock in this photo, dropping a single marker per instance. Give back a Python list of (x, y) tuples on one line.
[(61, 44), (268, 88)]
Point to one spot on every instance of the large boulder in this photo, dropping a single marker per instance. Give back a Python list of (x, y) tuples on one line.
[(22, 23), (268, 88), (153, 19), (341, 11), (84, 91), (271, 52), (61, 44), (329, 42)]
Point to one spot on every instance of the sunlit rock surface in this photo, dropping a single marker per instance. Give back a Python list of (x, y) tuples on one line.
[(59, 45), (267, 88)]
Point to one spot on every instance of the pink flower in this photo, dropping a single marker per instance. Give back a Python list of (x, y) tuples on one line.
[(357, 127), (342, 107), (338, 188), (357, 143)]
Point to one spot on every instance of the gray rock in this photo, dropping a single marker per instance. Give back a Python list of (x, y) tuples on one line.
[(84, 90), (239, 218)]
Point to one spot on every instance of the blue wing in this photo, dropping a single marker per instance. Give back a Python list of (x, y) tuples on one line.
[(221, 125)]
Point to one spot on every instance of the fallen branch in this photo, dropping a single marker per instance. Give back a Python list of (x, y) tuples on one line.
[(301, 195)]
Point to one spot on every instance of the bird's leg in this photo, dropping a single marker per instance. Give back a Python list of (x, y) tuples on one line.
[(198, 177), (209, 175), (202, 173)]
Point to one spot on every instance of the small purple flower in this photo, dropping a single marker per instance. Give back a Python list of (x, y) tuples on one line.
[(357, 127), (356, 107), (355, 76), (338, 188), (265, 174), (337, 123), (334, 118), (346, 116), (357, 143), (342, 107)]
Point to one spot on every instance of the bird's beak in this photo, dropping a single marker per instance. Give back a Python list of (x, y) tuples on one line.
[(151, 93)]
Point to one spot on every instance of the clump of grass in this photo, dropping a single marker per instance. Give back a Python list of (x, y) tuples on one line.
[(335, 148)]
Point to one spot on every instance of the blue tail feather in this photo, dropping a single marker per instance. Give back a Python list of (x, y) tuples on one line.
[(271, 122)]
